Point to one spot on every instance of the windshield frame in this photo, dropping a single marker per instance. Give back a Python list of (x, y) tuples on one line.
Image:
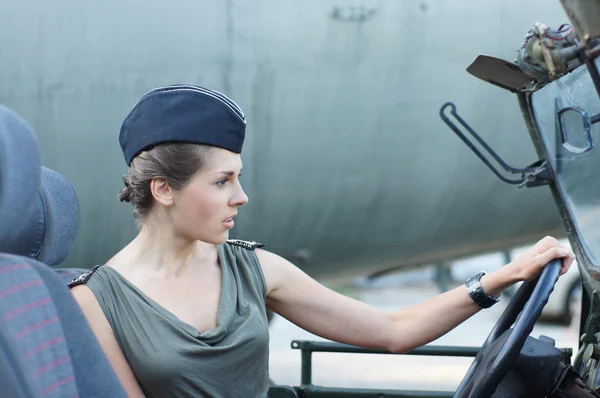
[(558, 190)]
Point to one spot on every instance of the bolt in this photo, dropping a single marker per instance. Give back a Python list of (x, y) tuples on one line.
[(591, 351)]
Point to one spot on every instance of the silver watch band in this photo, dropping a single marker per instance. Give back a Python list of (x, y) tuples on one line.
[(478, 293)]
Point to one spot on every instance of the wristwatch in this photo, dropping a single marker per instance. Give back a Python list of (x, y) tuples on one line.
[(478, 294)]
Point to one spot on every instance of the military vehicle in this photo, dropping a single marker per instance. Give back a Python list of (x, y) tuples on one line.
[(347, 169)]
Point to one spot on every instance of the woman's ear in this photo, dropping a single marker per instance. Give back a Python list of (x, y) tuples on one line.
[(161, 191)]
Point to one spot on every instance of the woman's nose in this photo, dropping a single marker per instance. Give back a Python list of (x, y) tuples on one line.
[(240, 198)]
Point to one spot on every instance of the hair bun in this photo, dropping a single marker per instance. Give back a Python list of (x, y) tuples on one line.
[(126, 194)]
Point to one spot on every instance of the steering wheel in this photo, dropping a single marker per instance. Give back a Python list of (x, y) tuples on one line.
[(529, 301)]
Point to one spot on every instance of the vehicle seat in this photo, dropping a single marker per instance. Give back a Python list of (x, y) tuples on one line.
[(48, 233), (13, 379), (40, 321)]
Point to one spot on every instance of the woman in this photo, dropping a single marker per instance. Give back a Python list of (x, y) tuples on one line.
[(180, 311)]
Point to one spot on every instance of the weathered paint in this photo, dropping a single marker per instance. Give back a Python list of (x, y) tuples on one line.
[(347, 165)]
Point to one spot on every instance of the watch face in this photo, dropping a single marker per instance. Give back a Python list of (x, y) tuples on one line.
[(475, 279)]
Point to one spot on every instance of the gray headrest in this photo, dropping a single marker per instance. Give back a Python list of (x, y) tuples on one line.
[(39, 211), (19, 172), (61, 217), (49, 232)]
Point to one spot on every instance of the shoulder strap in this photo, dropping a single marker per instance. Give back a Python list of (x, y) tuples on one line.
[(83, 278), (249, 245)]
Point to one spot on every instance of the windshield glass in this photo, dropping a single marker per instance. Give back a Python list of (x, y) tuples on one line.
[(566, 113)]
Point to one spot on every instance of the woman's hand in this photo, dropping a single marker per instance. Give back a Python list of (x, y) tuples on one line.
[(530, 264)]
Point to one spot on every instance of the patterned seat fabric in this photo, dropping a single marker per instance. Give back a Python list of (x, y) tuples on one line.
[(33, 325), (13, 377)]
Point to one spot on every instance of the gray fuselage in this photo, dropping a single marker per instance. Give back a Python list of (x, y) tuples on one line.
[(347, 165)]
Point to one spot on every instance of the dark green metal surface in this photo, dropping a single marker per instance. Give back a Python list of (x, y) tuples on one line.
[(308, 347), (307, 389), (324, 346), (329, 392)]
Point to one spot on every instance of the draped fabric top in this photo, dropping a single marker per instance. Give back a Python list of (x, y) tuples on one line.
[(171, 358)]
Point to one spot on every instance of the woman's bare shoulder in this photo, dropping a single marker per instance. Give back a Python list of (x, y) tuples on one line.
[(87, 302), (275, 268), (104, 334)]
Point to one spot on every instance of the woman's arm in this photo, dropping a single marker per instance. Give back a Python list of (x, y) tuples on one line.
[(105, 336), (303, 301)]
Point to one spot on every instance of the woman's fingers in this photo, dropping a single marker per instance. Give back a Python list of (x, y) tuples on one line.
[(547, 243), (567, 262), (557, 252)]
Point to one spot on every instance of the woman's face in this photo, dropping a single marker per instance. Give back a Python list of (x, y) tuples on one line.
[(205, 208)]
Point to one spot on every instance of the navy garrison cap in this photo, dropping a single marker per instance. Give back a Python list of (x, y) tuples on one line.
[(182, 113)]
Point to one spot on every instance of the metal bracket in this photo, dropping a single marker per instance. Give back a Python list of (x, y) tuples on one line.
[(535, 175), (538, 177)]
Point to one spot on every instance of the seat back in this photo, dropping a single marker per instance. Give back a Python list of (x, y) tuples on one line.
[(39, 319), (19, 171), (13, 377), (33, 325)]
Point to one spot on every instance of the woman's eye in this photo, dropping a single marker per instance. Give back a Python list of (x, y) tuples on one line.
[(222, 182)]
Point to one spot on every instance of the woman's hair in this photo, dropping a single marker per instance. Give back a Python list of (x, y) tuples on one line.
[(175, 162)]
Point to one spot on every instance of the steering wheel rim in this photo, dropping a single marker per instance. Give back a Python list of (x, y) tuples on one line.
[(529, 301), (508, 317)]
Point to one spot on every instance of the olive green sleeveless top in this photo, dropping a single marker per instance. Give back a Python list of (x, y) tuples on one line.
[(169, 357)]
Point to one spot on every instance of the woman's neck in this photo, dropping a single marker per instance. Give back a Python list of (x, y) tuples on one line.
[(160, 250)]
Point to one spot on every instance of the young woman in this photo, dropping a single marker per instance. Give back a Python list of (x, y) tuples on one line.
[(181, 310)]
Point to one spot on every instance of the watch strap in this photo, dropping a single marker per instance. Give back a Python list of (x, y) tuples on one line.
[(478, 293)]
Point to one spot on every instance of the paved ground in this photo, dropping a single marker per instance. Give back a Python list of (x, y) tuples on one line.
[(386, 371)]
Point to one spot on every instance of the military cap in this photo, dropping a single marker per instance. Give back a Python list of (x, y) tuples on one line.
[(182, 113)]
